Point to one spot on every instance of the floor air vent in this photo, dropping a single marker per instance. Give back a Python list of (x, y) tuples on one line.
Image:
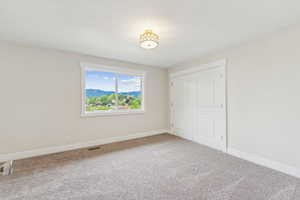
[(94, 148)]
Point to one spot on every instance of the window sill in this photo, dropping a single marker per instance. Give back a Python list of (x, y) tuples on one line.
[(111, 113)]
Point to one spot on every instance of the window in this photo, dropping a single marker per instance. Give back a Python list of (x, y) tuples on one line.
[(108, 90)]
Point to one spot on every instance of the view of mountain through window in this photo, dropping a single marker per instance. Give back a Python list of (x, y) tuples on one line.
[(106, 91)]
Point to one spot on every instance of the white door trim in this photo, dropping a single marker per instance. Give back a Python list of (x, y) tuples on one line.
[(201, 67)]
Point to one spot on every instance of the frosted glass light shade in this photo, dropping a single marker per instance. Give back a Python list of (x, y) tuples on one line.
[(149, 40)]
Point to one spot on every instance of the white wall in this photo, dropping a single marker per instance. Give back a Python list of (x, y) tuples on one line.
[(41, 101), (263, 95)]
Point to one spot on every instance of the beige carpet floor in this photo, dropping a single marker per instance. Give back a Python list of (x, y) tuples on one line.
[(161, 167)]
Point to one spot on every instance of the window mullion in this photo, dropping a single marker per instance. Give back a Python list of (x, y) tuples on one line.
[(117, 91)]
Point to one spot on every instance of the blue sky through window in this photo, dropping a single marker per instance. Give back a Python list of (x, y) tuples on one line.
[(129, 83), (100, 80), (106, 81)]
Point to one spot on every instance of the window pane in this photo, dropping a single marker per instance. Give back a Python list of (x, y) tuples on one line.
[(130, 92), (100, 90)]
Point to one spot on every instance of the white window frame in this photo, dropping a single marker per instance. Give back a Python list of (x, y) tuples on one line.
[(118, 70)]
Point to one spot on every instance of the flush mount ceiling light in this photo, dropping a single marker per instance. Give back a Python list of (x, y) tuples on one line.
[(149, 40)]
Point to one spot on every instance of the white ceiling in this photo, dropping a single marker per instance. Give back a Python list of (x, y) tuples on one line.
[(110, 28)]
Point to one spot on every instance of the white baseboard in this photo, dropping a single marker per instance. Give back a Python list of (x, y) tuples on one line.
[(265, 162), (50, 150), (243, 155)]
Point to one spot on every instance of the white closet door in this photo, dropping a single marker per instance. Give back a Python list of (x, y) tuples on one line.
[(178, 113), (198, 110)]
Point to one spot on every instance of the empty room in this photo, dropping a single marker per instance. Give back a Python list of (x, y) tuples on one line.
[(150, 100)]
